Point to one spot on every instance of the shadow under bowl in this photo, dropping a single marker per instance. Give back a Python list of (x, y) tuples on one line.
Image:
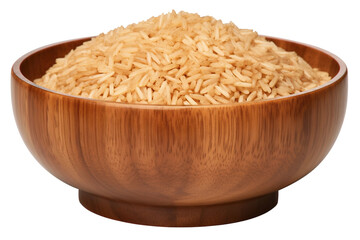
[(178, 165)]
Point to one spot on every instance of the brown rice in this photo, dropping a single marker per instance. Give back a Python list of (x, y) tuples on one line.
[(181, 59)]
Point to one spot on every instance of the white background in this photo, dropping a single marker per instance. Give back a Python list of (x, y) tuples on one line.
[(324, 204)]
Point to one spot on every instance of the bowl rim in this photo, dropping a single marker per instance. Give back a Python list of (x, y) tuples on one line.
[(342, 73)]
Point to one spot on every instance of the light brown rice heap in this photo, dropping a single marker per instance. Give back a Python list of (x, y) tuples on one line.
[(181, 59)]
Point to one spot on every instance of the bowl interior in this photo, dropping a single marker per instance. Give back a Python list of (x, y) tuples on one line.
[(316, 57), (37, 62)]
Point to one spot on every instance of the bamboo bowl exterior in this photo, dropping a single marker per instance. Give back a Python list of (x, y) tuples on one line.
[(178, 165)]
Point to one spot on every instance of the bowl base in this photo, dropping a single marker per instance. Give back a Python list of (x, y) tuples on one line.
[(178, 216)]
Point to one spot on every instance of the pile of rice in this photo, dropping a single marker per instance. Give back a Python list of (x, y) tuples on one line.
[(181, 59)]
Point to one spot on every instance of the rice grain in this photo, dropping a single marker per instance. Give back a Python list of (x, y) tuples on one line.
[(181, 59)]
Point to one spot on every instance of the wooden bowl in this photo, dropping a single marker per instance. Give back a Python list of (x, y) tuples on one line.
[(178, 165)]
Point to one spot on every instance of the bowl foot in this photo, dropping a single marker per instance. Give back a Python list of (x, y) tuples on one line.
[(178, 216)]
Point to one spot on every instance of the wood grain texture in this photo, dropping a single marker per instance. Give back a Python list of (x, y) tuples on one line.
[(173, 216), (177, 157)]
